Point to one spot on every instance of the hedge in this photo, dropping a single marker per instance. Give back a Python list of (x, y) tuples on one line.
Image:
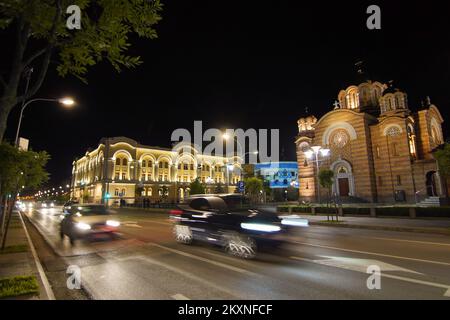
[(433, 212), (357, 211), (392, 211)]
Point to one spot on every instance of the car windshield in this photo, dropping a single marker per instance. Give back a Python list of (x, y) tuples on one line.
[(91, 210), (236, 202)]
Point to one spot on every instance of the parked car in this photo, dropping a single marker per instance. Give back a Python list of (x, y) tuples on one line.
[(228, 220), (87, 221)]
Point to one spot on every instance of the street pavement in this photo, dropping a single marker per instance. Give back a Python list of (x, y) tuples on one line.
[(317, 263)]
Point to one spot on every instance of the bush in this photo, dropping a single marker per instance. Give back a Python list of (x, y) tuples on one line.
[(283, 209), (437, 212), (357, 211), (392, 211), (327, 210), (301, 209)]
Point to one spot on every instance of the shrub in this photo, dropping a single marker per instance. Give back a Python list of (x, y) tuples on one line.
[(357, 211), (392, 211), (437, 212)]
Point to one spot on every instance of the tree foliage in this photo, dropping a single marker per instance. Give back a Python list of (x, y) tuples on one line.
[(196, 187), (443, 158), (21, 169), (253, 187), (41, 34), (326, 178)]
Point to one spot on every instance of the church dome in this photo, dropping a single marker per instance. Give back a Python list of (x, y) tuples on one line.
[(393, 99)]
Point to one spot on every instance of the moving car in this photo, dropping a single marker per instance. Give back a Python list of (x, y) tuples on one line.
[(68, 205), (229, 221), (88, 221), (47, 204)]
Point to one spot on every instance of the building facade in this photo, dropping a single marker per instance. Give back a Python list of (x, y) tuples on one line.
[(380, 151), (122, 169)]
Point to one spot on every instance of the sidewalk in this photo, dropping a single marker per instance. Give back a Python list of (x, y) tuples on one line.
[(19, 276), (434, 226)]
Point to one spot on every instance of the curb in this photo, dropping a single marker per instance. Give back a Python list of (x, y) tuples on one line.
[(51, 245), (378, 227), (40, 270)]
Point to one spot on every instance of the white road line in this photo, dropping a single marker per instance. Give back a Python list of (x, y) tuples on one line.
[(47, 286), (412, 241), (216, 263), (373, 253), (204, 282), (179, 296), (416, 281)]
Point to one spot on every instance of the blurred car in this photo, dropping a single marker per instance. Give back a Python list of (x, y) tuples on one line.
[(68, 205), (229, 221), (47, 204), (88, 221)]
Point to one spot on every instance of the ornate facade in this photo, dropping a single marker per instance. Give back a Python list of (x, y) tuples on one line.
[(133, 171), (380, 151)]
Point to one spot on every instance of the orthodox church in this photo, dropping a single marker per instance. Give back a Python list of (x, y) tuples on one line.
[(379, 150)]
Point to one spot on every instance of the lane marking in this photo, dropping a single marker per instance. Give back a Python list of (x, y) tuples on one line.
[(179, 296), (204, 282), (216, 263), (45, 282), (373, 253), (416, 281), (412, 241)]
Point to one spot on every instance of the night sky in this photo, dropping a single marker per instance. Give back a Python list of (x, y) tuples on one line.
[(243, 64)]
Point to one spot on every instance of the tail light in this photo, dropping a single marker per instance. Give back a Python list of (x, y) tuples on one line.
[(176, 212)]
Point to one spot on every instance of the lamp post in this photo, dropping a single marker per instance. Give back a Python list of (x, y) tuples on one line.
[(315, 150), (63, 101)]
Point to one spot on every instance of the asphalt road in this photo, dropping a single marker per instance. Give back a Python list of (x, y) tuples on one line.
[(318, 263)]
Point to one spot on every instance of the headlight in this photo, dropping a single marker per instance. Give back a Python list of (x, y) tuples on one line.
[(260, 227), (44, 205), (113, 223), (83, 226), (295, 222), (52, 204), (68, 208)]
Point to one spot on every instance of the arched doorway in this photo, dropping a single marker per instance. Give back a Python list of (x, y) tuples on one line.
[(343, 183), (431, 183)]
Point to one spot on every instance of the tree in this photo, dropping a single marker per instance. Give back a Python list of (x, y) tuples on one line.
[(253, 187), (442, 156), (19, 170), (248, 170), (41, 33), (326, 180), (219, 188), (196, 187)]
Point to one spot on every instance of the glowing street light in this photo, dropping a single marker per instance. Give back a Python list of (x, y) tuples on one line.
[(68, 102), (314, 152)]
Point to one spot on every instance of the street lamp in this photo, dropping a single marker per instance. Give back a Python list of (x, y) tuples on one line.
[(68, 102), (314, 152)]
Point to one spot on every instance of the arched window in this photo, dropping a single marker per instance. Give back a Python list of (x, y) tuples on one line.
[(412, 141), (116, 192), (123, 193), (352, 99), (121, 167)]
